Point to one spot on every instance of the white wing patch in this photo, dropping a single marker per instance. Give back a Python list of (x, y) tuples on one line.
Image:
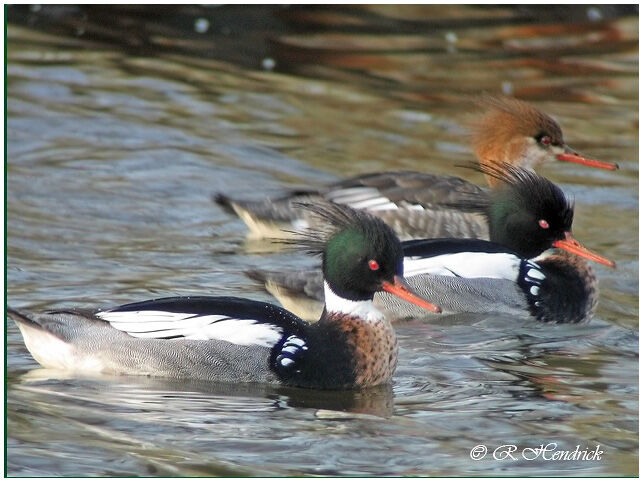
[(190, 326), (466, 265), (367, 198)]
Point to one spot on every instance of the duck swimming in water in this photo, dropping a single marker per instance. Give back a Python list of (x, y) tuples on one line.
[(416, 205), (239, 340), (527, 215)]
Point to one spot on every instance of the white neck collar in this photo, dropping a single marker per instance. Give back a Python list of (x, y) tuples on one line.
[(364, 309)]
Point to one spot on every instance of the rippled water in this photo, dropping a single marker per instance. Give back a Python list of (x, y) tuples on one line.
[(122, 125)]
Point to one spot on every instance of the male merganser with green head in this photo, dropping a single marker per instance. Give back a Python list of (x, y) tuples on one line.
[(231, 339), (527, 215)]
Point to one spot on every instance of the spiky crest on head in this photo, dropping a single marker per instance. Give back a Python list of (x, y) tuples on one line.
[(358, 250), (526, 212), (509, 130), (338, 218), (534, 193), (503, 118)]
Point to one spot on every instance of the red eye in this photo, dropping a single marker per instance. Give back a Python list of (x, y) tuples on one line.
[(545, 140), (374, 265), (543, 224)]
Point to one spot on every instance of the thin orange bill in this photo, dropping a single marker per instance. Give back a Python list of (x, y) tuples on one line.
[(402, 290), (569, 157), (571, 245)]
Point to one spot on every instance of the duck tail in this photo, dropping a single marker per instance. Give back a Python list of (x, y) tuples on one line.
[(262, 276), (224, 201), (21, 318), (301, 292)]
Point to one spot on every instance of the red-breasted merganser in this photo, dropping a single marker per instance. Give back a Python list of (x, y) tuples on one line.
[(527, 215), (240, 340), (418, 205)]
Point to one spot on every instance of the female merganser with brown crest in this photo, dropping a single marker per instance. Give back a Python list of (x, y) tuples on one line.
[(418, 205), (240, 340), (527, 215)]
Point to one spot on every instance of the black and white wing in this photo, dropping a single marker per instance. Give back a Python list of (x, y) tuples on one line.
[(465, 258), (417, 205), (234, 320), (414, 204), (402, 190)]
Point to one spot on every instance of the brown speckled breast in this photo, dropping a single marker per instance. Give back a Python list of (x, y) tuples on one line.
[(587, 277), (375, 350), (569, 292)]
